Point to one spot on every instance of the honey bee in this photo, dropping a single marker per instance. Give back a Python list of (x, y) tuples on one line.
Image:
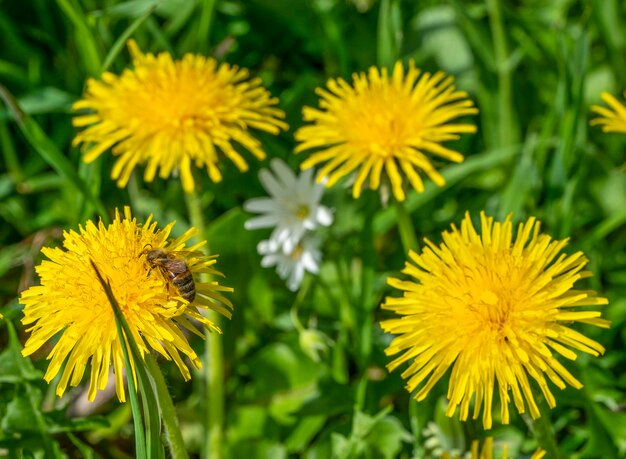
[(174, 270)]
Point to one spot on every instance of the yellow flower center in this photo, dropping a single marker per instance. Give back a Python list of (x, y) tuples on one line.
[(378, 123), (303, 212), (297, 253)]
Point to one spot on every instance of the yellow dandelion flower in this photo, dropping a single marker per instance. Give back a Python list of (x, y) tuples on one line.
[(611, 120), (495, 310), (487, 451), (170, 114), (70, 302), (396, 123)]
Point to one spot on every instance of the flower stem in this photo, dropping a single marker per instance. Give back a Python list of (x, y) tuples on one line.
[(506, 135), (366, 309), (174, 438), (544, 432), (405, 227), (215, 370), (213, 356), (207, 8)]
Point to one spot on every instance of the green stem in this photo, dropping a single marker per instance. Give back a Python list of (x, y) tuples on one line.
[(366, 309), (207, 8), (213, 356), (388, 42), (544, 432), (168, 412), (194, 208), (507, 129), (406, 228), (302, 294), (414, 421), (215, 370)]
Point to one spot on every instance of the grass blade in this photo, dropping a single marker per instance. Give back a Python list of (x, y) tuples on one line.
[(148, 443), (84, 39), (121, 41)]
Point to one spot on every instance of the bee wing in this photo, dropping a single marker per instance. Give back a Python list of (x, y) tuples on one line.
[(176, 266), (185, 254)]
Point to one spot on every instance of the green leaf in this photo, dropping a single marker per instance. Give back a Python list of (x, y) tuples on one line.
[(49, 151), (20, 414), (228, 233), (342, 447), (441, 37), (387, 437), (58, 422), (15, 368), (261, 298), (287, 377), (247, 422), (302, 434), (259, 450), (331, 399)]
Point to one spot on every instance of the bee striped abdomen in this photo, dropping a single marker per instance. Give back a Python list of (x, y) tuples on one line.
[(185, 285)]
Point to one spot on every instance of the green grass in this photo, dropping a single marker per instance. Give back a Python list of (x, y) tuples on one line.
[(533, 69)]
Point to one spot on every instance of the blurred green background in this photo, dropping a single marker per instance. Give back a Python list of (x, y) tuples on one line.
[(532, 67)]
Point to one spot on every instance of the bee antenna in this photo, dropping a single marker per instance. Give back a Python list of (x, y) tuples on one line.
[(145, 249)]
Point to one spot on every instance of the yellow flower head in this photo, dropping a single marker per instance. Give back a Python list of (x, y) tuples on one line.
[(495, 309), (71, 302), (610, 120), (170, 114), (395, 122)]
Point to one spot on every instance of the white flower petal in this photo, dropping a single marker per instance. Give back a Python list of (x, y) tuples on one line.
[(308, 262), (268, 261), (264, 221), (315, 194), (271, 185), (295, 279), (283, 173), (324, 216), (288, 245), (260, 205), (305, 181), (278, 237)]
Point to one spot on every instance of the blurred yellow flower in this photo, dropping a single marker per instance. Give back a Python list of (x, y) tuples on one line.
[(493, 309), (70, 302), (393, 122), (487, 451), (611, 120), (170, 114)]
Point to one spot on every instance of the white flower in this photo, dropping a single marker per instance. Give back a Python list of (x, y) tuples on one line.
[(305, 256), (292, 208)]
